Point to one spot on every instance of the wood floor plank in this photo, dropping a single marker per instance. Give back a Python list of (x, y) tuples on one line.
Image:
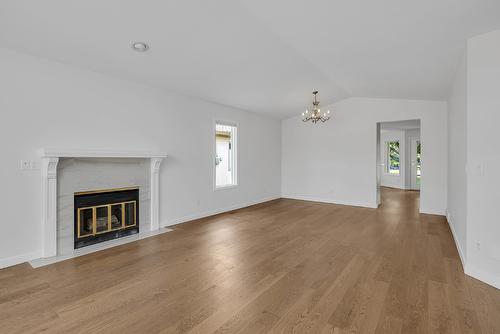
[(285, 266)]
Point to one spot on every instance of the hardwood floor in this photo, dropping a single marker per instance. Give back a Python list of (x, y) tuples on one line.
[(285, 266)]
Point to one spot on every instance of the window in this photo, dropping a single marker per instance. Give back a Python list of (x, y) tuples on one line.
[(393, 158), (225, 155)]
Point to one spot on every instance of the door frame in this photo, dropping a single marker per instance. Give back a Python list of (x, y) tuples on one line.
[(413, 162)]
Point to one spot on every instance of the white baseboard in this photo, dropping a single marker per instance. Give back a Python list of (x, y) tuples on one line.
[(429, 211), (14, 260), (483, 276), (395, 187), (470, 270), (330, 201), (209, 213), (30, 257), (40, 262), (457, 243)]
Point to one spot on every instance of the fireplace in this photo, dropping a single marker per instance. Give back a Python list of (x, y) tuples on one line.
[(103, 215)]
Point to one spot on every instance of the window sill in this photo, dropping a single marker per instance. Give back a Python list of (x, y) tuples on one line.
[(231, 186)]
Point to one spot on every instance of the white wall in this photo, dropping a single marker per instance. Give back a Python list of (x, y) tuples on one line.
[(391, 180), (483, 157), (47, 104), (336, 161), (457, 158)]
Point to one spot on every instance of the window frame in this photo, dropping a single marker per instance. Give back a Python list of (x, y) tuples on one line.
[(234, 149), (388, 157)]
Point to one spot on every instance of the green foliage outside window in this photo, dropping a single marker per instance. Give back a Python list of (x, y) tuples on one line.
[(393, 163)]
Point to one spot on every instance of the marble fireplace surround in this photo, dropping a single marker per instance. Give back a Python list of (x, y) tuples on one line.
[(49, 161)]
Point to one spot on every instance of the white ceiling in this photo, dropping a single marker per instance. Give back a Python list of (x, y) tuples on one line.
[(259, 55)]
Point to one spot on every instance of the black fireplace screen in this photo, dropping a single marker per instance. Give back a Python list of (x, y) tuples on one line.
[(105, 214)]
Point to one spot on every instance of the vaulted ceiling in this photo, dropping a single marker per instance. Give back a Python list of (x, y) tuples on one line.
[(259, 55)]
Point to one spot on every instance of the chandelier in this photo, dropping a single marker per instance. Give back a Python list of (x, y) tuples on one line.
[(315, 114)]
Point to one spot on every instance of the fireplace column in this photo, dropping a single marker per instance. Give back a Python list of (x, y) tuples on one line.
[(155, 193), (49, 223)]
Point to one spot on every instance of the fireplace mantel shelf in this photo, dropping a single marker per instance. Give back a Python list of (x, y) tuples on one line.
[(50, 158), (98, 153)]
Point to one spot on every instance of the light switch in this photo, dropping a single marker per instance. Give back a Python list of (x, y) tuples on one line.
[(29, 165), (25, 164)]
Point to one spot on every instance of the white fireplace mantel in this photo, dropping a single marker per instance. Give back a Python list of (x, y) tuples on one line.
[(50, 158), (98, 153)]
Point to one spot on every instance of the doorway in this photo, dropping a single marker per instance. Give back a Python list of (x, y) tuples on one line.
[(399, 156)]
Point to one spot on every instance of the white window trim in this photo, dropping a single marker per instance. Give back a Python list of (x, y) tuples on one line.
[(235, 153)]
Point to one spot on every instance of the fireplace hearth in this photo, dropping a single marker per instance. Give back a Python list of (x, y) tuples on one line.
[(103, 215)]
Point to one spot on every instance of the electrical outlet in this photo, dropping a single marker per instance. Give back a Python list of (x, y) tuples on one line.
[(478, 246)]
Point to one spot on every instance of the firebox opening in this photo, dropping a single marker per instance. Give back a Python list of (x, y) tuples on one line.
[(105, 214)]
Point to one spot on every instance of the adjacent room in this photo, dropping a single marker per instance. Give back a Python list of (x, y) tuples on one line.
[(249, 166), (399, 164)]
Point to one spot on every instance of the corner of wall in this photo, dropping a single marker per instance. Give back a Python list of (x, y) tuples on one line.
[(461, 253), (484, 276), (18, 259)]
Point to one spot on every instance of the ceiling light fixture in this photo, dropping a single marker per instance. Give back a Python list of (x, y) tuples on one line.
[(140, 46), (315, 115)]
